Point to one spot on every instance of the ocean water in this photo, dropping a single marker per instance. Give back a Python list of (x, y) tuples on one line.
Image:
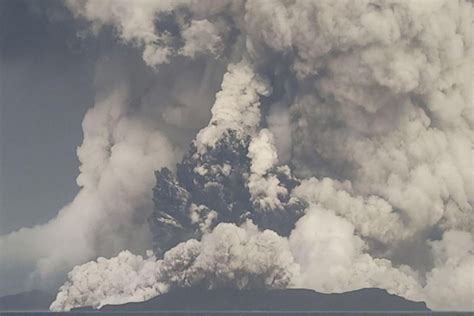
[(214, 313)]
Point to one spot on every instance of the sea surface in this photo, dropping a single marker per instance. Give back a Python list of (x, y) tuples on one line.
[(214, 313)]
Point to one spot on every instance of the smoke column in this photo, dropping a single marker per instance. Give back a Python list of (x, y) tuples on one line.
[(368, 105)]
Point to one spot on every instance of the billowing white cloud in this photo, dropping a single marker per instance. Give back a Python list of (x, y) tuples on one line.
[(334, 259), (201, 36), (372, 216), (110, 211), (390, 107), (264, 187), (240, 257), (125, 140), (122, 279), (136, 24), (450, 284), (237, 106)]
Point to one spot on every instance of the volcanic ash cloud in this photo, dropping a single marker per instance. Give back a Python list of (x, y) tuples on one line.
[(241, 257), (377, 186)]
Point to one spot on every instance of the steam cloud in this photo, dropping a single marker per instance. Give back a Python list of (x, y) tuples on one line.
[(229, 256), (103, 214), (379, 184)]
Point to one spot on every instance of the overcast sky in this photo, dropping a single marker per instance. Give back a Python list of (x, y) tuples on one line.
[(45, 89)]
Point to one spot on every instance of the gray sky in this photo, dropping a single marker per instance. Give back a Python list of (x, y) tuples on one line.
[(45, 89)]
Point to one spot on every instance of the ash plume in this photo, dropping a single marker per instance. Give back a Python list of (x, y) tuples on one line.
[(368, 105), (230, 173), (243, 257)]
